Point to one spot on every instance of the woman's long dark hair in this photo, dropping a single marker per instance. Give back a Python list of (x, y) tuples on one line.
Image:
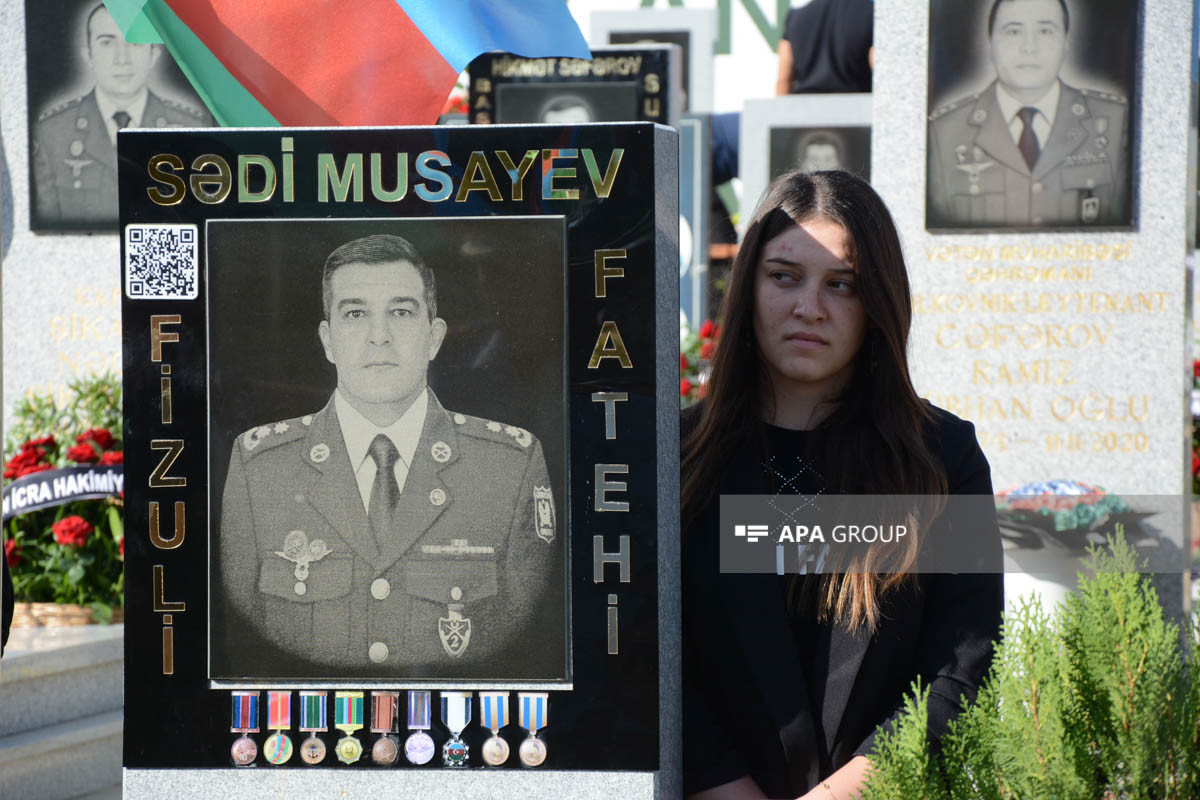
[(875, 435)]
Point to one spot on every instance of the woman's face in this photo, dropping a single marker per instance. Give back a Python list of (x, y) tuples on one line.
[(808, 317)]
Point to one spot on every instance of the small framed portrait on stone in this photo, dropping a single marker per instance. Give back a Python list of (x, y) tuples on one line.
[(1032, 114), (85, 83), (812, 149), (621, 83), (693, 29), (803, 131)]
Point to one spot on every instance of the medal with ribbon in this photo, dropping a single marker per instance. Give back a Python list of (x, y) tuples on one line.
[(314, 718), (532, 713), (456, 715), (418, 747), (348, 718), (493, 715), (278, 747), (384, 708), (245, 721)]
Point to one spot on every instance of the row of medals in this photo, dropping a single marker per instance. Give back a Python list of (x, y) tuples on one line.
[(419, 748)]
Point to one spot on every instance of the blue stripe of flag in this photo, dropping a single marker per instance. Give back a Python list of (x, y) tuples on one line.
[(462, 29)]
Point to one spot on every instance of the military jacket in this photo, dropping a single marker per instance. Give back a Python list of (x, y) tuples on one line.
[(978, 178), (469, 577), (75, 163)]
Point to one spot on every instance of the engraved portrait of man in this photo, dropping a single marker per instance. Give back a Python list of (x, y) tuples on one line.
[(384, 534), (813, 149), (1030, 148), (73, 140)]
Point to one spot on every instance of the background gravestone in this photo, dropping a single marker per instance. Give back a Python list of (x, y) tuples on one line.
[(1065, 344)]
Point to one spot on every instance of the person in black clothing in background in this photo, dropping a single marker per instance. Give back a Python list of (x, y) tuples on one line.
[(6, 608), (827, 47), (786, 678)]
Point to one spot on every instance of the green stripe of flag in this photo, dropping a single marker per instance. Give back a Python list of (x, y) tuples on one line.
[(153, 21)]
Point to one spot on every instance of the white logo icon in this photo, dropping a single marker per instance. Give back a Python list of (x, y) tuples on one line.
[(751, 533)]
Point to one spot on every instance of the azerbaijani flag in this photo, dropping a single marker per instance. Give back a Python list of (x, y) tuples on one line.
[(340, 62)]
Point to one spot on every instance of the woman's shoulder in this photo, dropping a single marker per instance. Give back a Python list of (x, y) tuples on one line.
[(953, 440)]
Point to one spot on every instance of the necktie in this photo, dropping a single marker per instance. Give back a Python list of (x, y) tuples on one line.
[(1028, 143), (385, 492), (122, 119)]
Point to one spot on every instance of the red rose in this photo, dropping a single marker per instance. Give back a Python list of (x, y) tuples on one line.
[(35, 468), (101, 436), (83, 454), (72, 531), (44, 441), (12, 552), (112, 457), (706, 349), (1196, 368), (682, 361), (706, 330), (23, 461), (121, 547), (685, 387), (1195, 463)]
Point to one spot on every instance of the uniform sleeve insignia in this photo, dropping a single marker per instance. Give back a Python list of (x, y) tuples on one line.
[(280, 427), (459, 419), (319, 453), (523, 437), (307, 420), (543, 511), (494, 426), (978, 116)]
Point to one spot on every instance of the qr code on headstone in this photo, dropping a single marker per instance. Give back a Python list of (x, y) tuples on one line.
[(161, 262)]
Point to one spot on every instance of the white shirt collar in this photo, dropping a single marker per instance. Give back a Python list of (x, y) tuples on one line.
[(135, 110), (358, 431), (1047, 104)]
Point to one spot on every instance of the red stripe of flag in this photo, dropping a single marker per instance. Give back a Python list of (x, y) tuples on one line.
[(364, 63)]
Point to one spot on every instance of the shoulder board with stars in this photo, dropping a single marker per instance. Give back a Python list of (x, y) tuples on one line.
[(264, 437), (957, 104), (184, 108), (481, 428), (57, 109), (1112, 98)]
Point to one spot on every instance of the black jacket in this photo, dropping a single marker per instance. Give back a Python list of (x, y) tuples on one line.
[(749, 706), (6, 608)]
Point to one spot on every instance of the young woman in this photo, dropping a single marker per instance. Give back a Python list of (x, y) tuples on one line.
[(786, 678)]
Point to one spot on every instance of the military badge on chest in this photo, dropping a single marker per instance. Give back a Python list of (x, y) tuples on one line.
[(454, 629), (301, 552), (973, 168)]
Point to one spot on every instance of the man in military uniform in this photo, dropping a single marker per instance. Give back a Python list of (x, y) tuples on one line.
[(74, 143), (1029, 151), (384, 535)]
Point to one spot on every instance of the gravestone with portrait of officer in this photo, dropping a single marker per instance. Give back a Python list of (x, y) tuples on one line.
[(1039, 179), (85, 82), (620, 83), (401, 429)]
